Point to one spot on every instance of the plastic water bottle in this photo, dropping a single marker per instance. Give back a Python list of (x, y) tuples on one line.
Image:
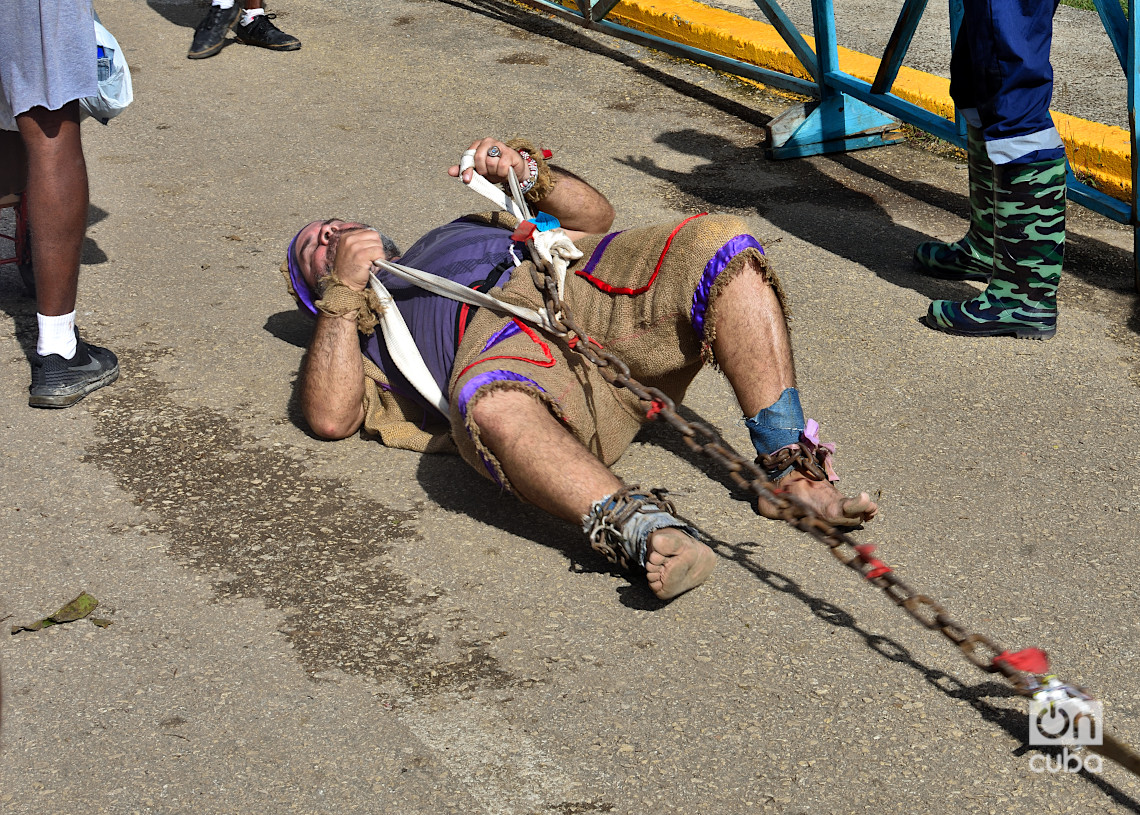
[(104, 57)]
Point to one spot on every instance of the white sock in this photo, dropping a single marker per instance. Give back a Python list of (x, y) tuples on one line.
[(248, 15), (57, 335), (224, 3)]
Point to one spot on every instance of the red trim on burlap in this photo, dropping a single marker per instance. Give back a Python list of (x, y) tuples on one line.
[(463, 309), (608, 289), (547, 363)]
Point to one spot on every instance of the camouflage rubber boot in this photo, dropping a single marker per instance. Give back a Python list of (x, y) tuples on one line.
[(972, 257), (1029, 247)]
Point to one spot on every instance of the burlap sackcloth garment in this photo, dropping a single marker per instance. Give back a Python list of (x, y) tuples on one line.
[(398, 421), (651, 332)]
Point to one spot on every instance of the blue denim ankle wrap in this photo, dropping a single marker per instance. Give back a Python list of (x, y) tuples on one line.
[(779, 425)]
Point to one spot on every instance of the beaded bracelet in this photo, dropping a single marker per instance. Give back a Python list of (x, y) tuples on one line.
[(532, 172), (541, 180)]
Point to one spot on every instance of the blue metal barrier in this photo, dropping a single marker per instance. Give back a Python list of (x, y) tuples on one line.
[(849, 114)]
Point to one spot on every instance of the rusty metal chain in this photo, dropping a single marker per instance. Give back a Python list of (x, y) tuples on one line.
[(978, 649)]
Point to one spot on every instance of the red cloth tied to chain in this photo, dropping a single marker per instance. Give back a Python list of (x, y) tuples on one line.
[(878, 568), (524, 231), (1030, 660), (654, 408)]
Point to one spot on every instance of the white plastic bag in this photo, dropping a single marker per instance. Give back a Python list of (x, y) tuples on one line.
[(115, 91)]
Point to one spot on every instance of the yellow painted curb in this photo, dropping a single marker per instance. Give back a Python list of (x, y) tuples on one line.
[(1097, 151)]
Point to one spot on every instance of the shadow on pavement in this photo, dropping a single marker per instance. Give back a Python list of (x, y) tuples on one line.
[(187, 15), (18, 304), (570, 35), (802, 201), (452, 485), (292, 326), (1012, 721)]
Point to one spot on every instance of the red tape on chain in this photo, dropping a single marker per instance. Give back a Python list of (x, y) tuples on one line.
[(523, 231), (878, 568), (1030, 660)]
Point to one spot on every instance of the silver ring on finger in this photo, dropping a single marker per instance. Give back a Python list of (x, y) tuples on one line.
[(494, 152)]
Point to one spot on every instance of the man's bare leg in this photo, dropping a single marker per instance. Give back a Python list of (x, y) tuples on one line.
[(753, 349), (551, 469)]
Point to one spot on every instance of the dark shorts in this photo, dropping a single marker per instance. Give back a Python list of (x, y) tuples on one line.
[(1000, 67)]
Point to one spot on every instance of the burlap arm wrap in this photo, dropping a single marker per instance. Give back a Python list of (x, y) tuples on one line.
[(545, 181), (338, 299), (399, 422)]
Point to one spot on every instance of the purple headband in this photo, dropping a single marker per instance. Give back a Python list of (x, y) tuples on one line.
[(304, 293)]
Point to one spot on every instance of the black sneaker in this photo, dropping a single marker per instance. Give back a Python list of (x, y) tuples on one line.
[(210, 34), (262, 32), (60, 383)]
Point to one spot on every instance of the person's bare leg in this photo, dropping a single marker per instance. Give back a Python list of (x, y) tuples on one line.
[(752, 345), (754, 350), (551, 469), (57, 203)]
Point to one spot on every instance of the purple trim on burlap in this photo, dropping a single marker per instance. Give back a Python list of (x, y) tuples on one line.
[(507, 331), (713, 268), (486, 378), (596, 255), (473, 385)]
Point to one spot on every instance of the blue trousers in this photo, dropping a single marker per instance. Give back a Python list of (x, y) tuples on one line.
[(1001, 80)]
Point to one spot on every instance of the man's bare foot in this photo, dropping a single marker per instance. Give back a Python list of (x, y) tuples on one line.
[(824, 500), (676, 563)]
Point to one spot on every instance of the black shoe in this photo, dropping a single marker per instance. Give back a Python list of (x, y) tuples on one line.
[(210, 34), (261, 31), (60, 383)]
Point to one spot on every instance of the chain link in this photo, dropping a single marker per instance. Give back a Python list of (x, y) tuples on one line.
[(749, 475), (977, 648)]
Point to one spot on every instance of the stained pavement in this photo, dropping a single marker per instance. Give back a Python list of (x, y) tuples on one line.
[(310, 627)]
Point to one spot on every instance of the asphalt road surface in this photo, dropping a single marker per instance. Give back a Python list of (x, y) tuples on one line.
[(303, 626)]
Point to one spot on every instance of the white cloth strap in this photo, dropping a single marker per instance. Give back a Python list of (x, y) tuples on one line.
[(455, 291), (553, 250), (489, 191), (403, 348)]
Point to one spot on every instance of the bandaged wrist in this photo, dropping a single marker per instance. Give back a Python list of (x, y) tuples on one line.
[(541, 180), (338, 299)]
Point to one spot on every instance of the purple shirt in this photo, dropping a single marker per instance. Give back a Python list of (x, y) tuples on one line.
[(473, 254)]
